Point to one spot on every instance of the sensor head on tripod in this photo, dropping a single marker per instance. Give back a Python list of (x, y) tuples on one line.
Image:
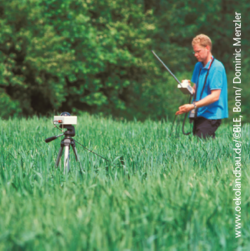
[(65, 118)]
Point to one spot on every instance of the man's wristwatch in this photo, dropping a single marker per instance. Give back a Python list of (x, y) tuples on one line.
[(195, 107)]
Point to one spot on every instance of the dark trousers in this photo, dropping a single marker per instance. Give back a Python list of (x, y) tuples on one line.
[(204, 128)]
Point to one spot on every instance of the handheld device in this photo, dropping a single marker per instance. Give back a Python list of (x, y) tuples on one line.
[(185, 87)]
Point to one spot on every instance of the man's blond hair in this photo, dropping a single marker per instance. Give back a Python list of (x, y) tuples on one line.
[(202, 40)]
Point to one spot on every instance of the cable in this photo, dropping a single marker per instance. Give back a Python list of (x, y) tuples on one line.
[(183, 123), (91, 151)]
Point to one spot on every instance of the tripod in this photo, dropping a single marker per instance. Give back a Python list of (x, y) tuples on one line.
[(65, 143)]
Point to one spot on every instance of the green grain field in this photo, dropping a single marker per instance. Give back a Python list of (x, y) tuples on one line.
[(158, 192)]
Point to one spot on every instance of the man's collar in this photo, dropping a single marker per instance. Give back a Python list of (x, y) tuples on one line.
[(208, 64)]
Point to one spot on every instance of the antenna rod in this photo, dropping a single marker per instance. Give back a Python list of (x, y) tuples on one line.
[(167, 69)]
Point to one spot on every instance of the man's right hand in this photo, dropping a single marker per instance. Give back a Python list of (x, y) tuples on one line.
[(189, 82)]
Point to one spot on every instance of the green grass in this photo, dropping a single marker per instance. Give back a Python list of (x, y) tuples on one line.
[(168, 193)]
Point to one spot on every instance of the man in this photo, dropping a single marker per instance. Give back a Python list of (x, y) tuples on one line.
[(210, 87)]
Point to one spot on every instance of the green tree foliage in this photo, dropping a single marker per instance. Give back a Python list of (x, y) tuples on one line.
[(96, 56)]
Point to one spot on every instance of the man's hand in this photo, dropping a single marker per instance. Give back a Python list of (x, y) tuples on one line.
[(211, 98), (184, 109), (189, 82)]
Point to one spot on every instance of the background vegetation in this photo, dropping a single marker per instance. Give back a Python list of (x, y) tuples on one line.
[(167, 193), (95, 55)]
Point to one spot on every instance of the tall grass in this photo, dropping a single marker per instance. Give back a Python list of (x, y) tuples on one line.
[(156, 193)]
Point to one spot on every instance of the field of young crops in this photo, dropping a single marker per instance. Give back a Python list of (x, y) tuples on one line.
[(157, 193)]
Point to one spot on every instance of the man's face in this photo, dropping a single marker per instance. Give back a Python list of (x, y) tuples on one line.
[(201, 53)]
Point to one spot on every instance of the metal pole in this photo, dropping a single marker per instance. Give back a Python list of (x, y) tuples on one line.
[(167, 69), (66, 159), (67, 142)]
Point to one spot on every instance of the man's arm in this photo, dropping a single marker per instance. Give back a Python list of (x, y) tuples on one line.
[(194, 88), (211, 98)]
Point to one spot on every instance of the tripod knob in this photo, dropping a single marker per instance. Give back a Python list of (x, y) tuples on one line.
[(50, 139)]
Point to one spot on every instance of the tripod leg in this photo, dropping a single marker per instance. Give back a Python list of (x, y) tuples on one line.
[(66, 158), (59, 156), (73, 144), (74, 149)]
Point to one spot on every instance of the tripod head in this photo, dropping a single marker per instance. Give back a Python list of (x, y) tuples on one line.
[(70, 132)]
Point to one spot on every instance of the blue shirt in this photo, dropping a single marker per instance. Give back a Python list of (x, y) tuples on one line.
[(216, 79)]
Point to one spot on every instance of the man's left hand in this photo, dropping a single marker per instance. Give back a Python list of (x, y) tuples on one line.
[(184, 109)]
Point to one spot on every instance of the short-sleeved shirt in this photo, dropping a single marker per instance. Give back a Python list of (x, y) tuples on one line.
[(216, 79)]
